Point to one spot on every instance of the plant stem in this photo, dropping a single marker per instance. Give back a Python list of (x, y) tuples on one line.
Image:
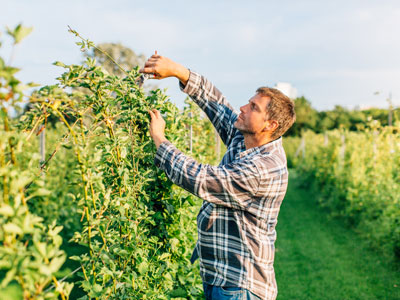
[(82, 176), (90, 44), (5, 178), (56, 284), (7, 129)]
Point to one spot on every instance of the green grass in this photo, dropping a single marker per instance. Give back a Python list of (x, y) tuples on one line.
[(318, 257)]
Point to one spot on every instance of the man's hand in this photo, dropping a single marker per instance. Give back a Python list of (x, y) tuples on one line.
[(157, 127), (163, 67)]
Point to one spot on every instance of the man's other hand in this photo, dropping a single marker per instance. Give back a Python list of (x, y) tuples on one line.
[(163, 67), (157, 127)]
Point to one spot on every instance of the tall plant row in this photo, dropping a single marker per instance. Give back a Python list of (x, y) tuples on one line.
[(30, 253), (357, 176), (137, 229)]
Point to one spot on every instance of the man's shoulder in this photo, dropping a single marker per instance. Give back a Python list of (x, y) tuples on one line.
[(270, 163)]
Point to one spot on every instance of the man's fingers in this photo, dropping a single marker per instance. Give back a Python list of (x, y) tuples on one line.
[(152, 116), (157, 113), (152, 60), (154, 113), (147, 70)]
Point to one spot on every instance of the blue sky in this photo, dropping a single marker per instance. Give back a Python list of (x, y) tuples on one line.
[(333, 52)]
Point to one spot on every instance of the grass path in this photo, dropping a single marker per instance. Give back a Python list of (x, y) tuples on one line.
[(319, 258)]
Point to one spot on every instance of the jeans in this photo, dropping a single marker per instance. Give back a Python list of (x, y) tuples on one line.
[(212, 292)]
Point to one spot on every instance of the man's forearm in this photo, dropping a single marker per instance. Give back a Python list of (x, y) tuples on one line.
[(158, 140)]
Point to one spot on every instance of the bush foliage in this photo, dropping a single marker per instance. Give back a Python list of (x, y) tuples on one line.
[(135, 229), (358, 176)]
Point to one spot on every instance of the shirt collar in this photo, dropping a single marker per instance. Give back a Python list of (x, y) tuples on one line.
[(263, 149)]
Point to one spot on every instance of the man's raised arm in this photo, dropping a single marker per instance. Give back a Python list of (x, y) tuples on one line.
[(163, 67), (200, 90)]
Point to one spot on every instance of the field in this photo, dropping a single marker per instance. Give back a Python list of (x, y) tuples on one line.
[(93, 218)]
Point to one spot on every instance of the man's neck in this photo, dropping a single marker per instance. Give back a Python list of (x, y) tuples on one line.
[(252, 141)]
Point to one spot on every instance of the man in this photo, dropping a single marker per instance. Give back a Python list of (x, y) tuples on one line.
[(242, 196)]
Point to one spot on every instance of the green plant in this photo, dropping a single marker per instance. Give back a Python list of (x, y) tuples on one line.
[(30, 252), (358, 175), (137, 228)]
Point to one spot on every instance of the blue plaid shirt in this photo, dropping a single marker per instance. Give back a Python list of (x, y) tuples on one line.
[(242, 197)]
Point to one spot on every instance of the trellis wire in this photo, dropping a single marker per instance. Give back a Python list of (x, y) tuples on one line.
[(63, 279)]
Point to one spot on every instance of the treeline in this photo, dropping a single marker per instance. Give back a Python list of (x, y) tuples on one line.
[(309, 118)]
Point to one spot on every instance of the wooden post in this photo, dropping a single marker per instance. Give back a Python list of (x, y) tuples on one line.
[(342, 151), (390, 117), (217, 145), (191, 133), (302, 148), (42, 148)]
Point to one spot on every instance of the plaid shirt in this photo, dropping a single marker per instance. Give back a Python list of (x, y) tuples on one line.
[(242, 197)]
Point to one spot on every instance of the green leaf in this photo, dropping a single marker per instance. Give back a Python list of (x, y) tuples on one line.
[(86, 285), (164, 256), (45, 270), (179, 292), (174, 243), (59, 64), (143, 267), (6, 210), (41, 192), (12, 228), (190, 200), (55, 230), (19, 33), (9, 276), (56, 263), (97, 288), (75, 257), (41, 247)]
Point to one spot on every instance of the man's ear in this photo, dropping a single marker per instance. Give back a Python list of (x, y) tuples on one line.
[(271, 125)]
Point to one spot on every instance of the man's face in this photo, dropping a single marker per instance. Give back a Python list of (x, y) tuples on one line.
[(253, 116)]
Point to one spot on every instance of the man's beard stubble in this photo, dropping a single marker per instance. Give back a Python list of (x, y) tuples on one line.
[(243, 130)]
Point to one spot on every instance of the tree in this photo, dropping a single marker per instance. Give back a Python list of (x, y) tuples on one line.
[(124, 56), (339, 117), (306, 116)]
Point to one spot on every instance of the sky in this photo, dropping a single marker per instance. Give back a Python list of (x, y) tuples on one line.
[(338, 52)]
